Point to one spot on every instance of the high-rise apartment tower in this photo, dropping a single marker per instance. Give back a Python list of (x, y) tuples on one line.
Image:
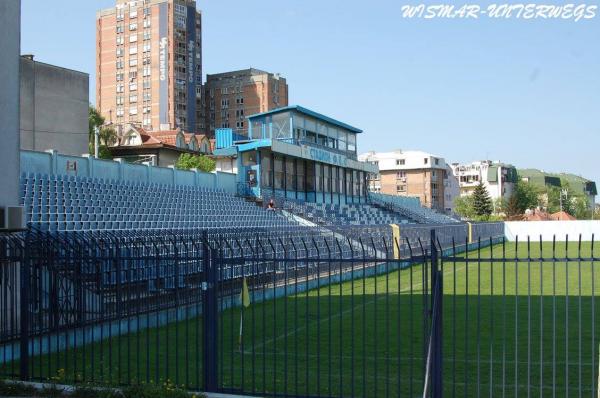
[(149, 64)]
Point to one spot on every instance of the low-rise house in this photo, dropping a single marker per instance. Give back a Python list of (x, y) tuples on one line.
[(158, 148)]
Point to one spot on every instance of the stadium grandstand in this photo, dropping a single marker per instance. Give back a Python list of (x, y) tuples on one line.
[(306, 162)]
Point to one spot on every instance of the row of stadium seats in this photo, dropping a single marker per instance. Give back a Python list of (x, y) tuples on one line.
[(156, 273), (352, 214), (68, 203), (410, 207)]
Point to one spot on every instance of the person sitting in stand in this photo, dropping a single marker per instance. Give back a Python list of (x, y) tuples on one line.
[(271, 205)]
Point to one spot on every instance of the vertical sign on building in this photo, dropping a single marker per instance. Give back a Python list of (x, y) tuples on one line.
[(191, 68), (163, 63)]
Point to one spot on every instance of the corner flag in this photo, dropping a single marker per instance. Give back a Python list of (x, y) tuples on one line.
[(245, 295), (245, 299)]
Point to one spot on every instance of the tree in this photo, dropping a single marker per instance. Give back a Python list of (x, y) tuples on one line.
[(482, 203), (525, 197), (511, 208), (463, 206), (188, 161), (95, 119), (580, 208), (107, 135)]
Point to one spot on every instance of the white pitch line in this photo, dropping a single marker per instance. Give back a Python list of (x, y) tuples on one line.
[(339, 314)]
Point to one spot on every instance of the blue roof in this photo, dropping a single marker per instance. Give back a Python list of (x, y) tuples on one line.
[(308, 112)]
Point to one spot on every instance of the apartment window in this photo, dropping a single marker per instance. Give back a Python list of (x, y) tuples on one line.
[(180, 9), (133, 62), (120, 40), (133, 14), (401, 174), (132, 86), (147, 35), (120, 100), (146, 23), (433, 174), (147, 96), (120, 88), (120, 111), (180, 21), (133, 110), (400, 188), (225, 125), (146, 109), (133, 50), (146, 61), (120, 14), (239, 100), (146, 83), (119, 28), (239, 113), (224, 114), (400, 162), (225, 103), (120, 51), (147, 121), (133, 26), (426, 160), (146, 71), (133, 98), (146, 12), (133, 38), (120, 77), (224, 91), (147, 47), (437, 161), (132, 75), (239, 124)]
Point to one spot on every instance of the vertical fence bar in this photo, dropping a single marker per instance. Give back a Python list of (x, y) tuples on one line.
[(25, 286), (209, 304)]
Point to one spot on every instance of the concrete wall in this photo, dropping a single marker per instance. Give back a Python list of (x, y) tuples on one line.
[(10, 43), (54, 108), (550, 229), (51, 162)]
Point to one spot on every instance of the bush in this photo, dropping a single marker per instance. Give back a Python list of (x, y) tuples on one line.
[(166, 390), (188, 161)]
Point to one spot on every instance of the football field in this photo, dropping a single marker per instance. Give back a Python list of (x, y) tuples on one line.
[(510, 328)]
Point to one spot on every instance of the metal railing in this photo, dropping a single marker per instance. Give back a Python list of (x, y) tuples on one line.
[(303, 311)]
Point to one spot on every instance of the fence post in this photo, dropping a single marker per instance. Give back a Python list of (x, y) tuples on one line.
[(434, 267), (24, 312), (209, 312), (437, 291)]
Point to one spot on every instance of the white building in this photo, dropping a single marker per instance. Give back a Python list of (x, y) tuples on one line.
[(409, 173), (451, 189), (498, 178)]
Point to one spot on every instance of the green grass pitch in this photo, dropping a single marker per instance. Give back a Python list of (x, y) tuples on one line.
[(509, 329)]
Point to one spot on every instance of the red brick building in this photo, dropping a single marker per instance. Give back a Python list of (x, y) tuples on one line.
[(149, 64)]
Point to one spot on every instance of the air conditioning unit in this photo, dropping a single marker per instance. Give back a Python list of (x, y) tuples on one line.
[(12, 217)]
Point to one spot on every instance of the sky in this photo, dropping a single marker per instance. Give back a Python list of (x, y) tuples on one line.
[(525, 92)]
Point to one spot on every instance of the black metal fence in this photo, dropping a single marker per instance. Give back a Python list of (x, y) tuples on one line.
[(429, 311)]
